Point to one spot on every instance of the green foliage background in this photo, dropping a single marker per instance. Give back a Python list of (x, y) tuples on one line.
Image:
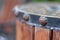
[(46, 0)]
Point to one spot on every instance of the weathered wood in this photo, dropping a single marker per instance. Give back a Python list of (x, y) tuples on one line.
[(42, 34), (27, 32), (56, 34), (23, 31), (19, 33)]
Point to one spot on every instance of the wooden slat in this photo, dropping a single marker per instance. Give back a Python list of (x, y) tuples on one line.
[(19, 33), (27, 32), (23, 31), (42, 34), (56, 34)]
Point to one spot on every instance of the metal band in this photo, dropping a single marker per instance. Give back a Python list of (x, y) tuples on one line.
[(52, 22)]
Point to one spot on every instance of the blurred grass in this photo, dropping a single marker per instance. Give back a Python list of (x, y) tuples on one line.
[(45, 0), (38, 0), (57, 0)]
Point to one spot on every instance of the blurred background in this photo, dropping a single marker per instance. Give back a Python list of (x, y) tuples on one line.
[(7, 5), (8, 19)]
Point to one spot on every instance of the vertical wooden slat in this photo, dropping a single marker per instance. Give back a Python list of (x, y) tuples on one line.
[(56, 34), (27, 32), (42, 33), (24, 31), (19, 32)]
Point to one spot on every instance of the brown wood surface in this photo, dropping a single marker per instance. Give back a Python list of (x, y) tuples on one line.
[(27, 32), (56, 35), (19, 33), (41, 33), (23, 31)]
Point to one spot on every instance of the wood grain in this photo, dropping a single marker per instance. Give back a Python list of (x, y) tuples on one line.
[(19, 33), (56, 34), (23, 31), (41, 33), (27, 32)]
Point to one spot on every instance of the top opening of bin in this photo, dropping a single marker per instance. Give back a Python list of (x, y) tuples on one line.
[(40, 9)]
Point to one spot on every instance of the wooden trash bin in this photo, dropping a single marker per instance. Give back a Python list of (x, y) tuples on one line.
[(27, 31)]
